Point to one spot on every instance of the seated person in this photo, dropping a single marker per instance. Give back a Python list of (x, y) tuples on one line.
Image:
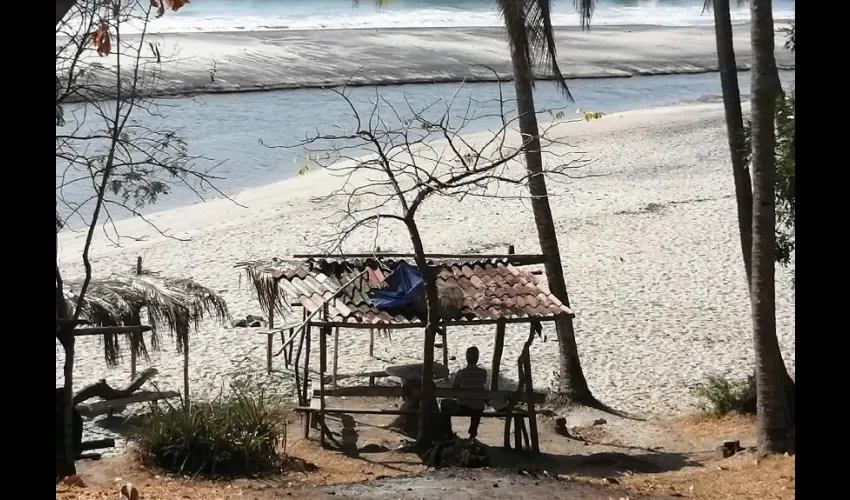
[(470, 377)]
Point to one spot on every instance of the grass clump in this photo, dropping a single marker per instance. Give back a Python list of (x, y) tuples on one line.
[(238, 434), (722, 396)]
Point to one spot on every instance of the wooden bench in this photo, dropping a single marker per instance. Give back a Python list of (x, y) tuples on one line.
[(507, 401)]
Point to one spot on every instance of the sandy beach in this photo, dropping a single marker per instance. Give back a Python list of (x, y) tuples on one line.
[(266, 60), (650, 251)]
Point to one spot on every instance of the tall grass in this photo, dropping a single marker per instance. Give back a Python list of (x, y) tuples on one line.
[(721, 396), (234, 434)]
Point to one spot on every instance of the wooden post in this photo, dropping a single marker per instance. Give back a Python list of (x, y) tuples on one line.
[(134, 340), (529, 391), (323, 362), (270, 339), (497, 356), (186, 373), (371, 342), (444, 331), (323, 359), (306, 381), (134, 346), (336, 355)]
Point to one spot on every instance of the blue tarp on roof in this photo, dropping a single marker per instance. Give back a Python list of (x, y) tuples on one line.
[(403, 284)]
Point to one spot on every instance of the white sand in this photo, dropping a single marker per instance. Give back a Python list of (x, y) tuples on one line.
[(660, 295)]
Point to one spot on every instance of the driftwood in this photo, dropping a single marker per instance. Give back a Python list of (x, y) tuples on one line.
[(111, 406), (104, 391)]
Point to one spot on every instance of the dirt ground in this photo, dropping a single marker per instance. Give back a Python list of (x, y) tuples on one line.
[(606, 457)]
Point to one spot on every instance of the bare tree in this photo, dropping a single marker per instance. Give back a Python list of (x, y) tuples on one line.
[(106, 161), (411, 156)]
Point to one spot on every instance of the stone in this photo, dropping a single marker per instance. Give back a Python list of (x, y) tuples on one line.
[(256, 324), (728, 449), (600, 421), (239, 323)]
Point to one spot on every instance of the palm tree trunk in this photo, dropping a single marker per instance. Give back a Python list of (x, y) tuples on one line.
[(737, 149), (424, 435), (775, 434), (735, 129), (571, 384)]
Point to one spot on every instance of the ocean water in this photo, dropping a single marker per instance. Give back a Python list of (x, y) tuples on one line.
[(288, 116), (255, 15)]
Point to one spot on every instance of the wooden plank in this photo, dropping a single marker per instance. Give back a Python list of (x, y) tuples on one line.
[(308, 334), (101, 407), (372, 411), (323, 363), (497, 356), (97, 444), (440, 392), (111, 330)]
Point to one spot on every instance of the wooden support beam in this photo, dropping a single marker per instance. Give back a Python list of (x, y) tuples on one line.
[(305, 382), (440, 392), (529, 391), (323, 362), (97, 444), (497, 356), (270, 340), (110, 330), (336, 355)]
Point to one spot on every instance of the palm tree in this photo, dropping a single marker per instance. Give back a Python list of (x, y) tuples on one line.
[(775, 430), (532, 41), (734, 126), (736, 135)]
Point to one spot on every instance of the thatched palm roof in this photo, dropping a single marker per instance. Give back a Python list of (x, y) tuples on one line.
[(173, 304)]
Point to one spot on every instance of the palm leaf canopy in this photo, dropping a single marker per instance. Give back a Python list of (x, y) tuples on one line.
[(171, 304), (532, 36)]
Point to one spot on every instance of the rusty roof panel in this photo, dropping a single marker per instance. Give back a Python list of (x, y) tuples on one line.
[(492, 289)]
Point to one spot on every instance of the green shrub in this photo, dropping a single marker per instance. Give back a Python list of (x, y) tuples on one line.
[(721, 396), (238, 434)]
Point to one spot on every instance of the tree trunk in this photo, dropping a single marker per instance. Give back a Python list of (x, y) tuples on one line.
[(571, 383), (735, 129), (424, 436), (774, 433), (737, 149)]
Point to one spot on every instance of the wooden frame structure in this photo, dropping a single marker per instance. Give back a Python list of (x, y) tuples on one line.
[(320, 318)]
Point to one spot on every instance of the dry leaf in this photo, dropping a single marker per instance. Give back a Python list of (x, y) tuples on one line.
[(101, 40), (176, 5)]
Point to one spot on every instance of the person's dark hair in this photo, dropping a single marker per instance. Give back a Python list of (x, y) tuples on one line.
[(472, 355)]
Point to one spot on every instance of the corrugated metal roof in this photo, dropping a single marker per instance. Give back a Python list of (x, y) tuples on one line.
[(491, 289)]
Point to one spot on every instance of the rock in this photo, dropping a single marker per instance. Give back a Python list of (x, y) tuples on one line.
[(373, 448), (563, 477), (727, 449), (253, 317), (239, 323), (600, 421), (256, 324), (561, 426), (74, 480), (610, 480)]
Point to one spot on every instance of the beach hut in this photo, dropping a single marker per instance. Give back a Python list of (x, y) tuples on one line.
[(345, 292), (115, 307)]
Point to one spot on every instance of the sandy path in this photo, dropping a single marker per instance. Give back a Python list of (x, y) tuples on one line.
[(650, 252)]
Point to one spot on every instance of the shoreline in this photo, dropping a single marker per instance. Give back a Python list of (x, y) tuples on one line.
[(262, 61), (658, 293)]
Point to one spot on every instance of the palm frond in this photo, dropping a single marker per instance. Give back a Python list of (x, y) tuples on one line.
[(532, 36), (262, 278), (175, 305)]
